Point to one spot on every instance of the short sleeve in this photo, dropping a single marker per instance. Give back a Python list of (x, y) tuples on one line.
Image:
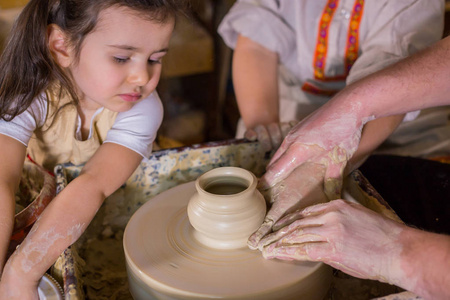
[(137, 128), (261, 21), (22, 126)]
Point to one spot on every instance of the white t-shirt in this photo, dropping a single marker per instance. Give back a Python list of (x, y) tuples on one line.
[(135, 129)]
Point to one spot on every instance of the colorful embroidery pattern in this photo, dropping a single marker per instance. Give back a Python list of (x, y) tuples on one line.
[(351, 52), (353, 36), (312, 89), (322, 39)]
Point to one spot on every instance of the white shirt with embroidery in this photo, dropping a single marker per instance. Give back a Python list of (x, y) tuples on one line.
[(389, 30)]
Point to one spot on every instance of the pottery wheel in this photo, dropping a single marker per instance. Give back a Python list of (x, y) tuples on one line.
[(166, 261)]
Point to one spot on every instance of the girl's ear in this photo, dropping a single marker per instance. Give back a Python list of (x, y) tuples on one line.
[(58, 46)]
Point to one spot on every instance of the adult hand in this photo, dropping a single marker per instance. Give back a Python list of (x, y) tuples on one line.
[(302, 188), (270, 136), (324, 138), (345, 235)]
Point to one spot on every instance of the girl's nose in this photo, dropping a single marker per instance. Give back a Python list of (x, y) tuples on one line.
[(140, 75)]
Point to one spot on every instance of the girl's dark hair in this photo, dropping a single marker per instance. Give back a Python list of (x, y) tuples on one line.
[(26, 65)]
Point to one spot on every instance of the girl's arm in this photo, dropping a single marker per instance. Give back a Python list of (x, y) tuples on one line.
[(12, 155), (68, 215)]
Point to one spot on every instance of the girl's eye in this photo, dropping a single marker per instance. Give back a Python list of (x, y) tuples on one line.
[(154, 62), (120, 60)]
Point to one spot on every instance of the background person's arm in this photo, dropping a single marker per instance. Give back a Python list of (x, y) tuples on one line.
[(373, 135), (261, 34), (255, 80)]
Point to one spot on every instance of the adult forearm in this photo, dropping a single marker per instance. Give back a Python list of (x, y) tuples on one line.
[(426, 264), (417, 82), (255, 80)]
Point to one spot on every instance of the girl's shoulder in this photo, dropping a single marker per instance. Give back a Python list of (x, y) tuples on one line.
[(149, 109), (23, 125), (146, 116), (137, 128), (152, 101), (37, 112)]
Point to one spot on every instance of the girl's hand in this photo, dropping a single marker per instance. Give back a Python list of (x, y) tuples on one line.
[(269, 136), (16, 286), (345, 235)]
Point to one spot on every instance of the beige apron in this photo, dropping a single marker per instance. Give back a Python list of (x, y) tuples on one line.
[(55, 142)]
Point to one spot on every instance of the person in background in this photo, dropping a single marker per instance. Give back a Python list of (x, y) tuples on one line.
[(291, 57), (346, 235), (77, 84)]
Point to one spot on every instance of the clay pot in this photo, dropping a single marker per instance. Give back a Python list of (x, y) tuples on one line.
[(227, 208)]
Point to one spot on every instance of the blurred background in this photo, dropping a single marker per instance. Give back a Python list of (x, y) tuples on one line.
[(195, 87)]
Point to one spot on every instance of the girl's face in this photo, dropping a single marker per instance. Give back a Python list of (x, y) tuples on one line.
[(120, 60)]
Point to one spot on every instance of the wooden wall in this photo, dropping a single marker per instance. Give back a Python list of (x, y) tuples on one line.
[(4, 4)]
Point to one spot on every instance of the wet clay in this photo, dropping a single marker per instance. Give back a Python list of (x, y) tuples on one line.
[(168, 258), (226, 208)]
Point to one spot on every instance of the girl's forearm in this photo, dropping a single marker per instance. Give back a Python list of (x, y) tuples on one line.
[(59, 226), (68, 215)]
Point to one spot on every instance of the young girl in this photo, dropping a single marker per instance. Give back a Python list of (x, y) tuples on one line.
[(77, 84)]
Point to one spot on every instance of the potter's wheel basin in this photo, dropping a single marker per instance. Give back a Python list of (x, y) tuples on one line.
[(165, 261)]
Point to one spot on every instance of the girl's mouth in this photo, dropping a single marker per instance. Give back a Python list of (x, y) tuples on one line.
[(130, 97)]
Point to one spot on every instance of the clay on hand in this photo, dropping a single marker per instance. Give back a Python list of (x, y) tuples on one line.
[(269, 136), (347, 236), (13, 285), (322, 138), (304, 187)]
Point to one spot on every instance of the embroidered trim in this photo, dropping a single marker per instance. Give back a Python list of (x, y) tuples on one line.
[(322, 39), (353, 36), (351, 51), (312, 89)]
